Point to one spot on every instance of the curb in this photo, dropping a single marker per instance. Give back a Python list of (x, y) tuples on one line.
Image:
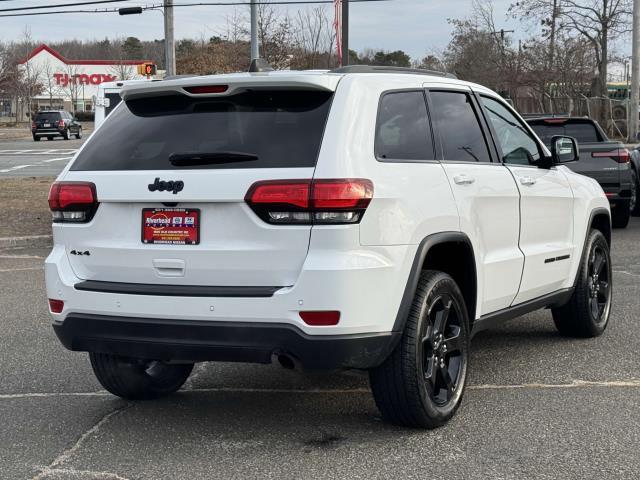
[(27, 241)]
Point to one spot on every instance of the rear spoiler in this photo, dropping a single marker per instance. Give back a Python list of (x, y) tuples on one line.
[(234, 84)]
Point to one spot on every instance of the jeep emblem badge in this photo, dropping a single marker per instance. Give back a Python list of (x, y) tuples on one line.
[(174, 186)]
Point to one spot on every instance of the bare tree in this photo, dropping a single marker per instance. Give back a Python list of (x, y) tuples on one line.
[(598, 21)]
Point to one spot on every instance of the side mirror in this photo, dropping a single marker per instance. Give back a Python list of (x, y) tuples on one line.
[(564, 149)]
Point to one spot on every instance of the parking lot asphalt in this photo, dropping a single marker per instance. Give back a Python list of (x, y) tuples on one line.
[(537, 406), (24, 157)]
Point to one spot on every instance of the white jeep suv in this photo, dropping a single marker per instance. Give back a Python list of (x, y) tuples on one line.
[(365, 217)]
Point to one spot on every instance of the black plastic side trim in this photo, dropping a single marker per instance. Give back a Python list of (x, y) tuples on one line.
[(174, 290), (194, 340), (414, 275), (554, 299)]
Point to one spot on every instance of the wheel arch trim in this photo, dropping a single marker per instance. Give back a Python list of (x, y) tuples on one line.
[(411, 286)]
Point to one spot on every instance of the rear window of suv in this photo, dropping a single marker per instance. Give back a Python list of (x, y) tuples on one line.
[(48, 116), (583, 132), (268, 129)]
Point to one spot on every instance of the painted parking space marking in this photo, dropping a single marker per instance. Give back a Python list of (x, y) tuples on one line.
[(17, 167), (51, 151)]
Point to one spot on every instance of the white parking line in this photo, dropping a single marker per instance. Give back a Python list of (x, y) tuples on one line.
[(51, 151), (56, 159), (17, 167)]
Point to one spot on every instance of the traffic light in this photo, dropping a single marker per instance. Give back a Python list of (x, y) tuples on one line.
[(147, 69)]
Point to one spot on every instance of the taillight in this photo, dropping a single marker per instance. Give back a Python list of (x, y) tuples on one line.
[(60, 123), (73, 201), (33, 126), (620, 155), (335, 201)]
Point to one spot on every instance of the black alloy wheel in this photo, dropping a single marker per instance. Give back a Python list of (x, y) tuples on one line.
[(599, 285), (442, 356)]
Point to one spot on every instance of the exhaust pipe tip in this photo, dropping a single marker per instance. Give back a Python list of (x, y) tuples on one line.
[(286, 361)]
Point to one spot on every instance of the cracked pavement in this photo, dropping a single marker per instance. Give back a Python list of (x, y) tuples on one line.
[(537, 406)]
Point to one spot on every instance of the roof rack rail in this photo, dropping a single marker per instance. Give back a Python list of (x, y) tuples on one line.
[(388, 69)]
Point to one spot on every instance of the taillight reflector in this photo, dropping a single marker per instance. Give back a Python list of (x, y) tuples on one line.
[(73, 201), (320, 318), (336, 201), (202, 89), (56, 306)]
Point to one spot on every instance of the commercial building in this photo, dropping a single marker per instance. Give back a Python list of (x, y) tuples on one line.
[(71, 84)]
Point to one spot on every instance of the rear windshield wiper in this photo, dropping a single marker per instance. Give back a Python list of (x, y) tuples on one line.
[(191, 159)]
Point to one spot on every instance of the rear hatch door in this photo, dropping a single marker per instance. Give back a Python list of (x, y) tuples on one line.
[(182, 165)]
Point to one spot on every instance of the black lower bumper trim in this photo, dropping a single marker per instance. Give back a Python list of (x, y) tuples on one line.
[(175, 290), (193, 341)]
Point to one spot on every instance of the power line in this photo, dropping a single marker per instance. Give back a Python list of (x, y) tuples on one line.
[(219, 4), (77, 4)]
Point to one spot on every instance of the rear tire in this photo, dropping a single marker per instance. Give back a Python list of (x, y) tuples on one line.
[(49, 138), (67, 134), (422, 381), (587, 312), (136, 379), (620, 214), (36, 138), (79, 134)]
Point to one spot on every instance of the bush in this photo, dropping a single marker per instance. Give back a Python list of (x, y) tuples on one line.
[(85, 116)]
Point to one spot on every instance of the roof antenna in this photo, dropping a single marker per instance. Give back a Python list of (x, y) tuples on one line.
[(260, 65)]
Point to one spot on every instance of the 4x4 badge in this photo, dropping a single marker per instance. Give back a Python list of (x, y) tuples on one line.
[(174, 186)]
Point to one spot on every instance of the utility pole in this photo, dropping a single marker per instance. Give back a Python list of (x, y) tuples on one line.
[(255, 51), (635, 75), (169, 40), (552, 34), (345, 32)]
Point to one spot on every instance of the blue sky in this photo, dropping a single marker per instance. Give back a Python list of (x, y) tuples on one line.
[(415, 26)]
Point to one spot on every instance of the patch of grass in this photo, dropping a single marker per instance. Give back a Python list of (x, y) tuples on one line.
[(24, 206)]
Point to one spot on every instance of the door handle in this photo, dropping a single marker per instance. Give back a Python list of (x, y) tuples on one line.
[(463, 179), (527, 181)]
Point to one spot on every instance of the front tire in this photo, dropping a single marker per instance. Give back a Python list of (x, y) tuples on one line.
[(136, 379), (422, 381), (620, 214), (587, 312), (634, 201)]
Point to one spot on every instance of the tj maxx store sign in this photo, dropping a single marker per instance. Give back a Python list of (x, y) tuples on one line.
[(65, 79)]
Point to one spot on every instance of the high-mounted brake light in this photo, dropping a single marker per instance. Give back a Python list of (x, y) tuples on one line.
[(334, 201), (620, 155), (555, 120), (73, 201), (202, 89)]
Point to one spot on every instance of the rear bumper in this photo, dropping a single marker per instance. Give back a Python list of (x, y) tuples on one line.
[(192, 341)]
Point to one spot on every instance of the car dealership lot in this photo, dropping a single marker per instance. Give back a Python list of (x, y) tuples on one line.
[(538, 406)]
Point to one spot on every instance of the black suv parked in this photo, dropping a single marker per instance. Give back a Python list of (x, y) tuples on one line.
[(55, 124)]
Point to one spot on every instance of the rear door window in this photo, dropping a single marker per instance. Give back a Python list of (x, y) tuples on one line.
[(459, 127), (114, 100), (255, 129), (402, 129)]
